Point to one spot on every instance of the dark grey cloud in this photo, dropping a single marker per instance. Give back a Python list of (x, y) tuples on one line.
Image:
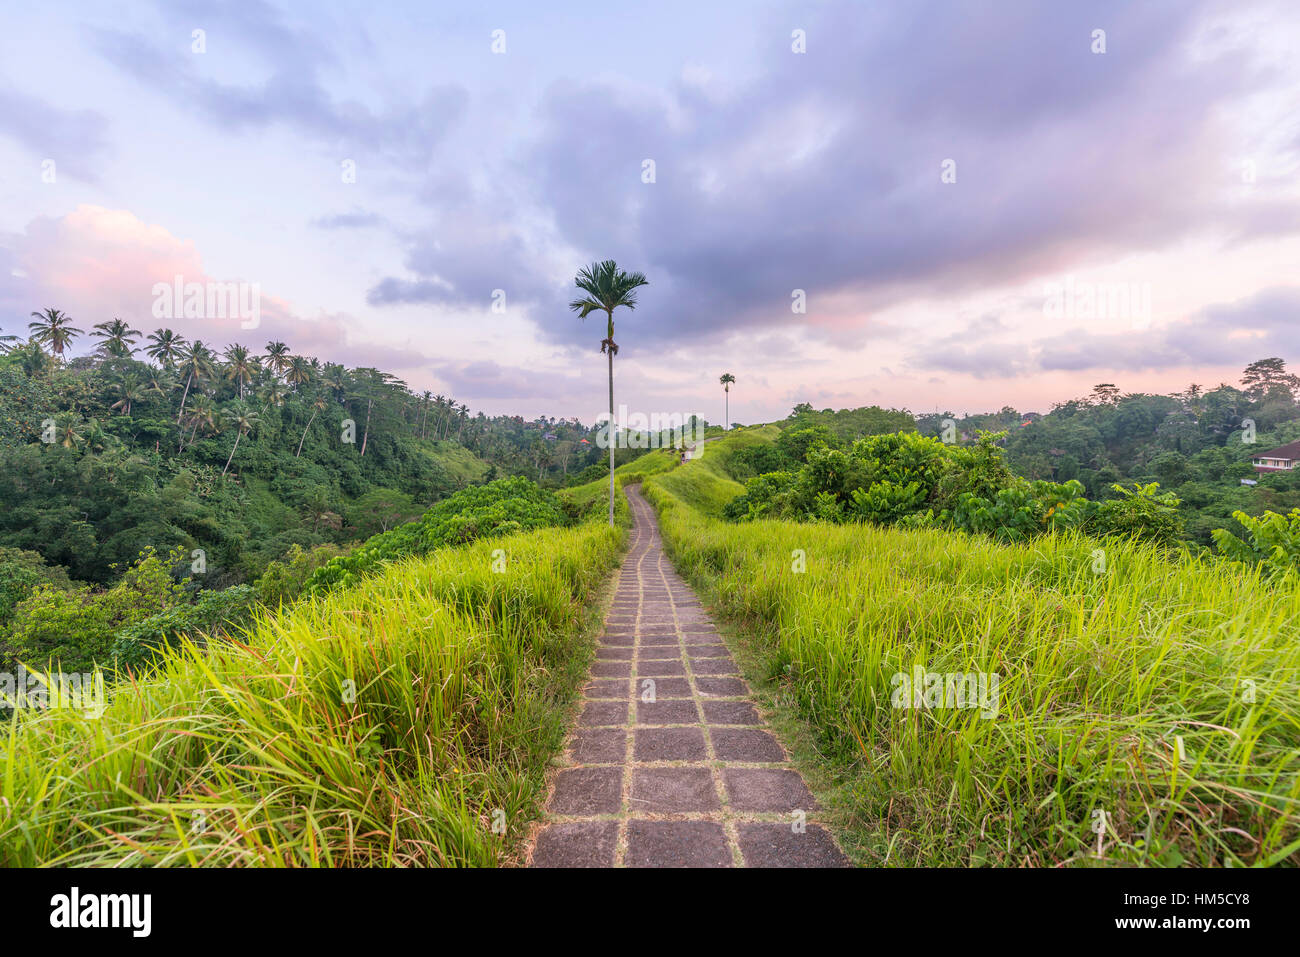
[(358, 219)]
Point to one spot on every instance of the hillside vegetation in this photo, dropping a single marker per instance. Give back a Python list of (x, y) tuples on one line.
[(406, 720), (1149, 690)]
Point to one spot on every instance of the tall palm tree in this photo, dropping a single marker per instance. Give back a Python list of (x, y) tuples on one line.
[(726, 379), (129, 391), (244, 420), (299, 372), (53, 328), (117, 339), (277, 357), (202, 413), (607, 287), (166, 346), (240, 366), (197, 363), (318, 405)]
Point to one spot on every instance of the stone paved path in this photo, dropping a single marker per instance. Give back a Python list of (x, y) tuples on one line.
[(670, 764)]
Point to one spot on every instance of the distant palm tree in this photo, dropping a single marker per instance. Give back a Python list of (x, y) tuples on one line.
[(273, 394), (129, 391), (607, 288), (726, 379), (318, 405), (6, 339), (202, 413), (117, 339), (70, 432), (166, 346), (53, 328), (240, 366), (277, 357), (299, 372), (197, 363), (244, 420)]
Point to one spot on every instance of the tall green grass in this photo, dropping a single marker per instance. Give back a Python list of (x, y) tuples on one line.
[(392, 723), (591, 501), (1164, 692)]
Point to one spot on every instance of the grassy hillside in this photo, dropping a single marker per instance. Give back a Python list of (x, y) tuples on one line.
[(592, 498), (391, 723), (1158, 695)]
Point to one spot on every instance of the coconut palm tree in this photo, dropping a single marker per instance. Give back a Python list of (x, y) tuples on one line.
[(277, 357), (53, 328), (240, 366), (197, 363), (70, 432), (244, 420), (299, 372), (4, 340), (273, 394), (319, 403), (203, 413), (166, 346), (726, 379), (129, 391), (607, 287), (117, 339)]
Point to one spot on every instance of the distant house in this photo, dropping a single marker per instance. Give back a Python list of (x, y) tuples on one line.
[(1281, 459)]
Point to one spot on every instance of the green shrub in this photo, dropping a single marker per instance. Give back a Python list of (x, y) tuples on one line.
[(500, 507)]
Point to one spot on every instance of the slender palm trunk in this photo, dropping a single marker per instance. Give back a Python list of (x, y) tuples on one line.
[(304, 433), (184, 395), (611, 419), (365, 437), (727, 425), (238, 435)]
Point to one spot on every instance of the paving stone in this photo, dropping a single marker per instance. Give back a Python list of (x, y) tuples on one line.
[(777, 845), (599, 746), (660, 669), (614, 653), (614, 640), (665, 687), (607, 688), (603, 713), (713, 666), (721, 687), (669, 711), (767, 789), (668, 744), (673, 790), (677, 844), (576, 844), (730, 712), (745, 744), (587, 791), (658, 652), (647, 640), (611, 669)]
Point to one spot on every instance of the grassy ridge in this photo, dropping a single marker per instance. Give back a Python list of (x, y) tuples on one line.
[(1101, 675), (592, 499), (383, 725)]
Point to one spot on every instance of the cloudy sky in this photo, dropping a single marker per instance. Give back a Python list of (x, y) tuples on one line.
[(974, 204)]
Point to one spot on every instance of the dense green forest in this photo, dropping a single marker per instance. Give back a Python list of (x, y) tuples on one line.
[(1196, 444), (155, 441)]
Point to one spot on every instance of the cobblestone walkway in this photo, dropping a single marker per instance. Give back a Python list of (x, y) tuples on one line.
[(671, 765)]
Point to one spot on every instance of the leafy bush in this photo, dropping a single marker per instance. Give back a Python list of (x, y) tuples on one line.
[(500, 507), (73, 630), (213, 612), (1274, 542), (1141, 512)]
